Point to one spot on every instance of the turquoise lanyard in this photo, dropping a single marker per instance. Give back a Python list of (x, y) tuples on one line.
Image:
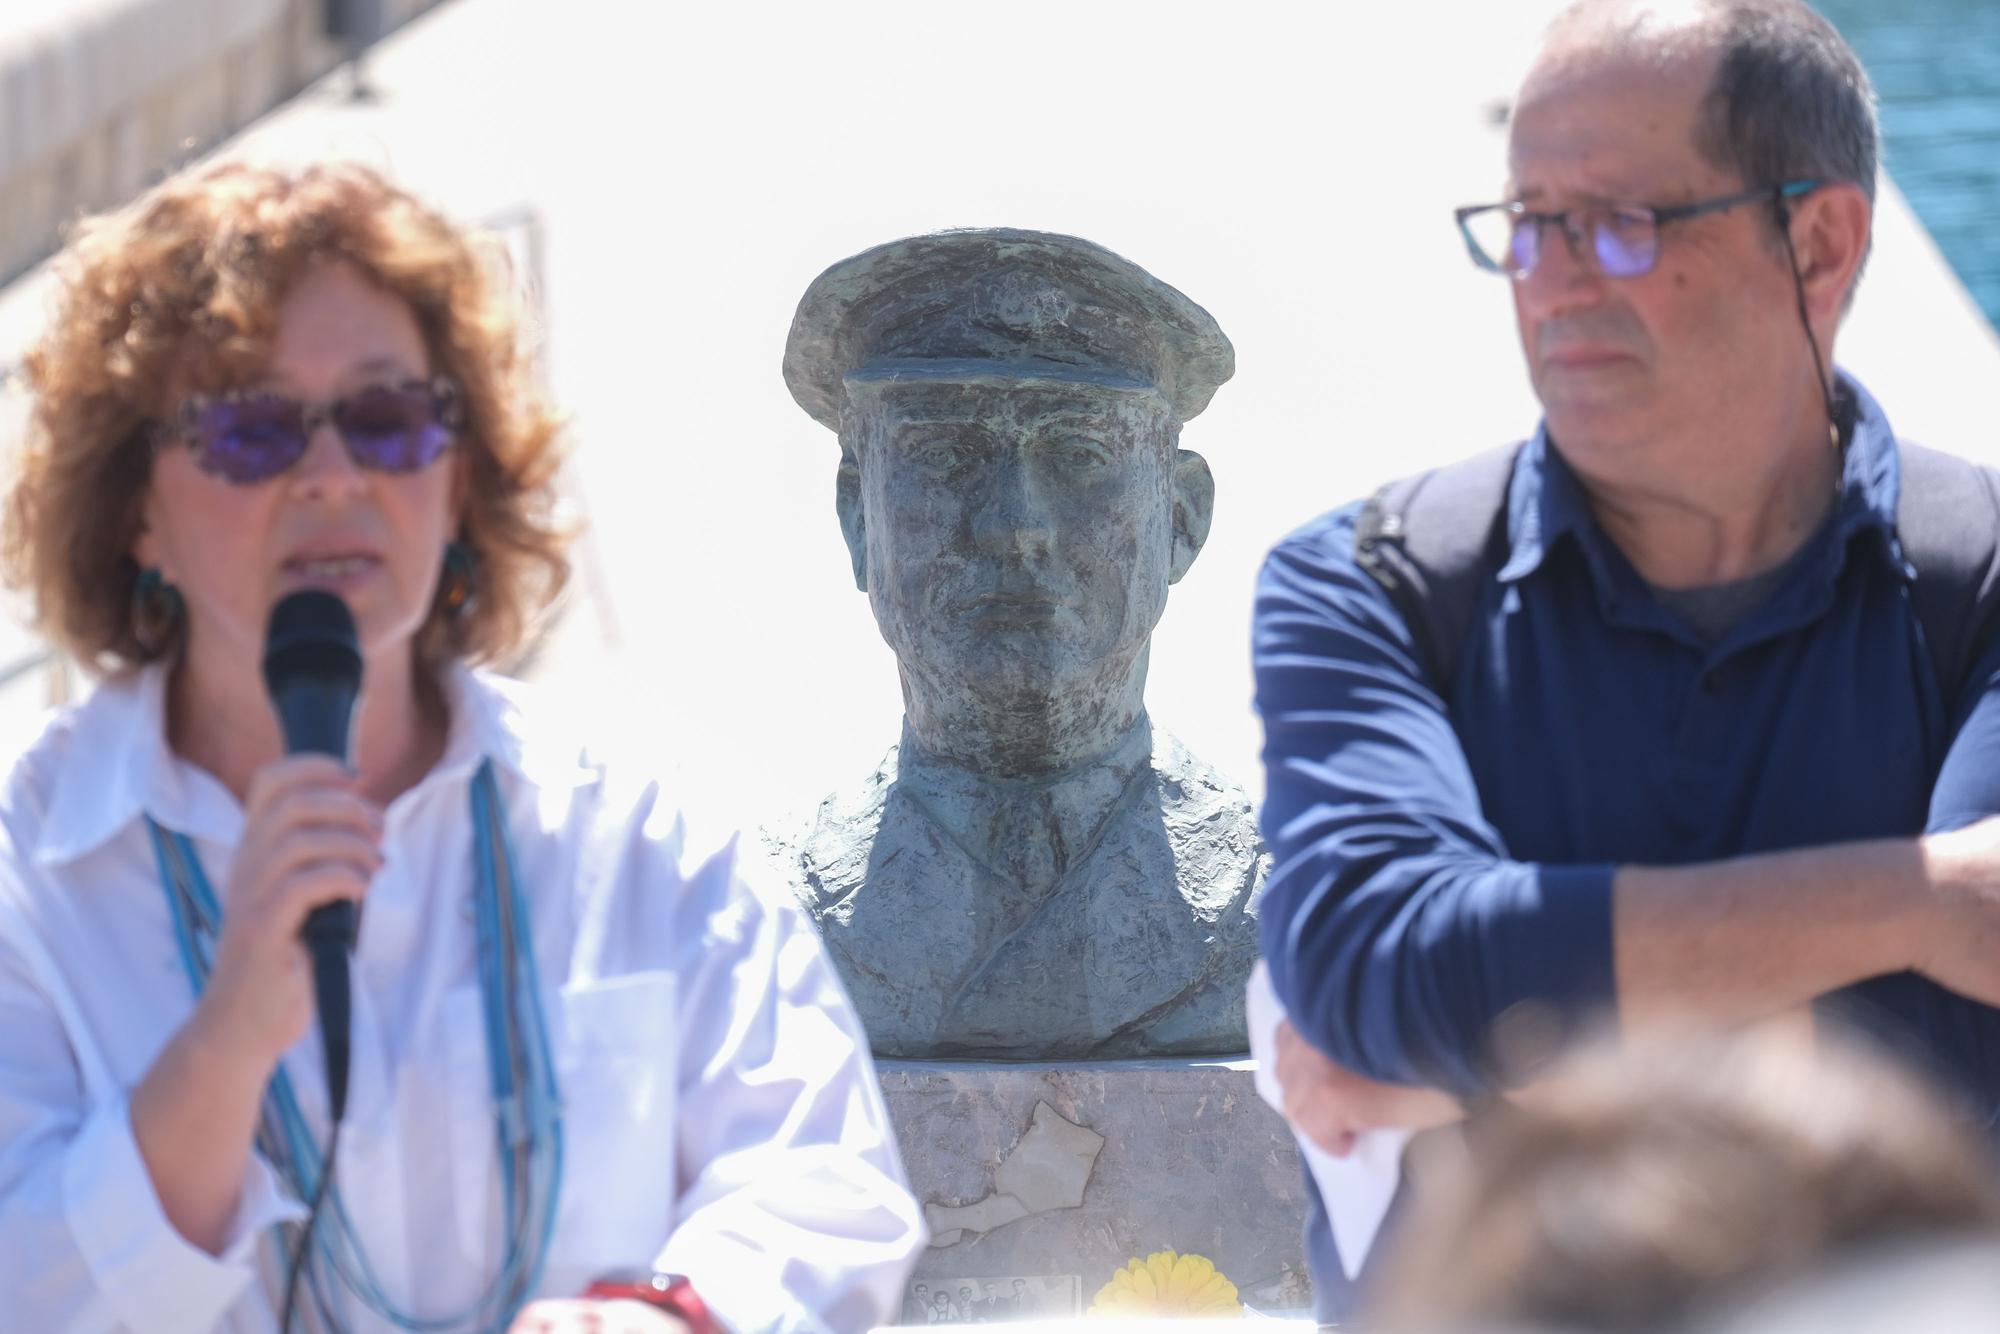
[(527, 1111)]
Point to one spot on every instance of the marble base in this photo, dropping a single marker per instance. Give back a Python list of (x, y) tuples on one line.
[(1057, 1174)]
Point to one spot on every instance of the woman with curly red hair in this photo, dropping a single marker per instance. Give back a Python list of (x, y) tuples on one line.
[(586, 1053)]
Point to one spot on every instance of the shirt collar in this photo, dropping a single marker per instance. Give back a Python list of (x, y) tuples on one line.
[(1872, 478), (1546, 502), (516, 726), (972, 808), (118, 766)]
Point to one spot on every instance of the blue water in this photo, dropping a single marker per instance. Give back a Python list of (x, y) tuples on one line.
[(1936, 67)]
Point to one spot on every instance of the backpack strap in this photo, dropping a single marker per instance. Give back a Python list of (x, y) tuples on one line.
[(1432, 541), (1948, 522)]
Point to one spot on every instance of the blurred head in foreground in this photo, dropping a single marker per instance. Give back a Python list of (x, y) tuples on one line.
[(1643, 1186)]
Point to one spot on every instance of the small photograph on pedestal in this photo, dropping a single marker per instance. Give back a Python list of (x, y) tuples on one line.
[(992, 1301)]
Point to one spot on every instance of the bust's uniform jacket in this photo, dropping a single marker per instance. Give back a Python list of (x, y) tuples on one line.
[(720, 1114), (1135, 939), (1442, 858)]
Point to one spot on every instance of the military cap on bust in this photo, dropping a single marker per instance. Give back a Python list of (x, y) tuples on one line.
[(997, 301)]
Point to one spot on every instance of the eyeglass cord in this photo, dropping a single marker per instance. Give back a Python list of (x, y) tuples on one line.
[(1822, 377)]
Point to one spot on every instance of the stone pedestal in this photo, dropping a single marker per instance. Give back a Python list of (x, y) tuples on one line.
[(1057, 1174)]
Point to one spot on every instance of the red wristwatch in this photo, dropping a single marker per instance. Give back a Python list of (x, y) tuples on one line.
[(671, 1293)]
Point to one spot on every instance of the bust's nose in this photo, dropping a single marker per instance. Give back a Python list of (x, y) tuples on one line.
[(1013, 513)]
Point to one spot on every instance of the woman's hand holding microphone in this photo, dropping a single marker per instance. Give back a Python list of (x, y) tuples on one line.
[(309, 838)]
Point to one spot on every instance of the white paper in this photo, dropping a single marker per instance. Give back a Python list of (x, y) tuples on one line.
[(1356, 1189)]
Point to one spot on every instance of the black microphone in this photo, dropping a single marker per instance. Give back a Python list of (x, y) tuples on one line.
[(312, 669)]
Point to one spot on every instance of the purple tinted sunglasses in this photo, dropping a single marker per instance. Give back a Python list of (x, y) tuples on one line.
[(249, 436)]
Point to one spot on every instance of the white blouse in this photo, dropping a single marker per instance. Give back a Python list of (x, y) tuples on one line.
[(721, 1117)]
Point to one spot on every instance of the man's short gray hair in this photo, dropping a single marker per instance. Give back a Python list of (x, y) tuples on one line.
[(1790, 102), (1790, 99)]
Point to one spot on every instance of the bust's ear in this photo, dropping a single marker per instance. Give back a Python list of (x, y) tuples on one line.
[(1194, 509), (853, 527)]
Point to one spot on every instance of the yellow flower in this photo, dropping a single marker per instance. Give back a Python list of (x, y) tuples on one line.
[(1168, 1284)]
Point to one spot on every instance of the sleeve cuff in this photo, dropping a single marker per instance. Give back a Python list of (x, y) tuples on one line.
[(799, 1281), (744, 1305), (143, 1266)]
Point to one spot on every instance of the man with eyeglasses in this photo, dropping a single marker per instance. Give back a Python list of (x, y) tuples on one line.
[(1674, 731)]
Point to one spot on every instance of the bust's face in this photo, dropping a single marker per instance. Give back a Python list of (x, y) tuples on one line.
[(1019, 534)]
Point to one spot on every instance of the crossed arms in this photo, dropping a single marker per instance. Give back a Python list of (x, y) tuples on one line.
[(1398, 928)]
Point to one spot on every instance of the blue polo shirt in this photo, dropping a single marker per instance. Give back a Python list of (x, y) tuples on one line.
[(1439, 860)]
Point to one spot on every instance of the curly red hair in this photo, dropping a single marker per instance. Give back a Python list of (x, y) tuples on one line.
[(178, 293)]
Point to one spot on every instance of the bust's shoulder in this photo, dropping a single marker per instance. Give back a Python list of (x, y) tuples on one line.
[(1211, 825), (823, 853), (1187, 778), (1194, 794)]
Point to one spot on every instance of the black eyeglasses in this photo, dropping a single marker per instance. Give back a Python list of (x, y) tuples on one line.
[(251, 435), (1623, 239)]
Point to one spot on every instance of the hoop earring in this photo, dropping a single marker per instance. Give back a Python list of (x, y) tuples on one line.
[(458, 585), (157, 612)]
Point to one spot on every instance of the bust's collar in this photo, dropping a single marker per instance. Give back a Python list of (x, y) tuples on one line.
[(979, 812)]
